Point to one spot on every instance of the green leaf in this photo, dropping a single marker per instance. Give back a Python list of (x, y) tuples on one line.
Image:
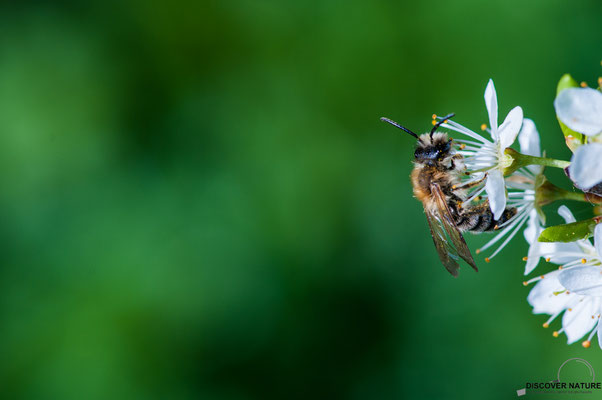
[(569, 232), (565, 82), (573, 139)]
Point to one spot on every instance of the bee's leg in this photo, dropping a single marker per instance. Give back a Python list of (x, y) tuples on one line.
[(470, 184)]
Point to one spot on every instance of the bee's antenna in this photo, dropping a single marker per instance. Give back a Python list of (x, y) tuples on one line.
[(438, 124), (403, 128)]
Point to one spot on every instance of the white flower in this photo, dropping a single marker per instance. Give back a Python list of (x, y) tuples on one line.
[(580, 109), (521, 191), (483, 156), (574, 290), (586, 166)]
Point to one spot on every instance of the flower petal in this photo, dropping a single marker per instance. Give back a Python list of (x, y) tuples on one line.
[(496, 192), (599, 330), (586, 165), (565, 213), (578, 321), (545, 297), (528, 138), (533, 228), (509, 129), (491, 104), (598, 239), (580, 109), (585, 280)]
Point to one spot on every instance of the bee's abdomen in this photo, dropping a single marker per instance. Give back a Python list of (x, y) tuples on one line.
[(480, 218)]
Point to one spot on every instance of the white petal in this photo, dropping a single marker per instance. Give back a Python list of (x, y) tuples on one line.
[(580, 109), (533, 228), (599, 330), (598, 239), (586, 165), (491, 104), (496, 191), (542, 297), (565, 213), (579, 321), (586, 280), (550, 249), (528, 138), (510, 127)]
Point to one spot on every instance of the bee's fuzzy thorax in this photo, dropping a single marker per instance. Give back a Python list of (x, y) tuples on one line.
[(439, 139)]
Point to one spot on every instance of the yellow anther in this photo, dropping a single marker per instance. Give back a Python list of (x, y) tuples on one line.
[(483, 127), (546, 325), (525, 258), (446, 121), (600, 81), (586, 344), (495, 228), (525, 283), (583, 84), (434, 116), (478, 198), (569, 309), (583, 261), (454, 187), (542, 276), (462, 146), (487, 259), (434, 122), (560, 267), (555, 333), (478, 251), (548, 259)]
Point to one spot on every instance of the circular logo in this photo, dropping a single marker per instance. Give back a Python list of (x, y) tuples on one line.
[(575, 368)]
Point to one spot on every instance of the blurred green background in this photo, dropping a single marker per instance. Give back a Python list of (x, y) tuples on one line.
[(198, 200)]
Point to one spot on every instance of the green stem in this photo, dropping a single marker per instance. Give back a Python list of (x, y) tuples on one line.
[(547, 193), (522, 160)]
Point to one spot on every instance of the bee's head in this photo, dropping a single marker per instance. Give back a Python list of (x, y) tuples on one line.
[(432, 147)]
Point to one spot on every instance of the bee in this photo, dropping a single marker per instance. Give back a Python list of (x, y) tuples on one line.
[(437, 184)]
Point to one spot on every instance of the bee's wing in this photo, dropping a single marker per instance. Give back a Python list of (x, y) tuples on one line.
[(443, 227)]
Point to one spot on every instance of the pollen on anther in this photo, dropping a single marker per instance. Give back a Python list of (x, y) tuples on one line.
[(555, 333), (462, 146), (583, 84), (434, 122), (542, 276), (495, 228), (570, 309), (600, 81), (434, 116), (583, 261), (525, 283), (446, 121), (560, 267), (586, 344), (548, 259), (525, 258), (546, 325), (487, 259), (483, 127), (454, 187), (478, 251), (593, 317)]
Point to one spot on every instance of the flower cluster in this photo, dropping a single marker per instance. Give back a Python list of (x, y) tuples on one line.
[(504, 178)]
